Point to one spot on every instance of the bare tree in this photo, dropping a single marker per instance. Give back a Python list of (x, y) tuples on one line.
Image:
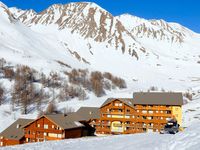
[(51, 108), (1, 94), (24, 91), (68, 110), (97, 85), (2, 63)]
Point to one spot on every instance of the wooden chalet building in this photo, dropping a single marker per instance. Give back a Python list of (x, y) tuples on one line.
[(51, 127), (14, 134), (144, 112)]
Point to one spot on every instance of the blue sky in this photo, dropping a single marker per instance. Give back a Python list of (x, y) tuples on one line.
[(185, 12)]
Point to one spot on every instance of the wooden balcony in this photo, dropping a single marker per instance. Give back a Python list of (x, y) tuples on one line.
[(117, 119), (151, 120), (152, 108), (153, 114), (46, 130), (32, 136), (103, 130)]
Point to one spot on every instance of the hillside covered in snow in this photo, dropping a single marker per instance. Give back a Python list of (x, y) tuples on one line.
[(189, 139), (79, 54)]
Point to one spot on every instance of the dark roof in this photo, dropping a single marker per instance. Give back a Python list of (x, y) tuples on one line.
[(88, 113), (128, 101), (63, 121), (15, 131), (158, 98)]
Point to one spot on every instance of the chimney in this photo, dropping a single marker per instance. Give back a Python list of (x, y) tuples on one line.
[(18, 126)]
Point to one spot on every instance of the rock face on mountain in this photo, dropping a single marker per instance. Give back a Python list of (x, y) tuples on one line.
[(87, 20), (156, 29), (85, 35)]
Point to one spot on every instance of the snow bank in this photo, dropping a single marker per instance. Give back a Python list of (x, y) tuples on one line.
[(188, 139)]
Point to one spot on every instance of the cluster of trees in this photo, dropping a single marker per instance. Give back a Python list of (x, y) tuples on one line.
[(24, 92), (31, 89), (95, 81), (53, 109)]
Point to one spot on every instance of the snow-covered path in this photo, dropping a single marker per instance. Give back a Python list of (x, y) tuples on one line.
[(189, 139)]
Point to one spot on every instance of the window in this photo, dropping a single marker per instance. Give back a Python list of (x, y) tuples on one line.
[(59, 135), (45, 134), (144, 111), (53, 135), (128, 110), (53, 126), (127, 116), (27, 139), (116, 104), (1, 143), (120, 110), (168, 112), (38, 125), (151, 112), (45, 126), (120, 104)]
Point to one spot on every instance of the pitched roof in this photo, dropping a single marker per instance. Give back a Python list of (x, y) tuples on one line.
[(150, 98), (158, 98), (88, 113), (63, 121), (128, 101), (15, 131)]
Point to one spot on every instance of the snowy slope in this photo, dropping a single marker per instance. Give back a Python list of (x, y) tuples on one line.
[(188, 139)]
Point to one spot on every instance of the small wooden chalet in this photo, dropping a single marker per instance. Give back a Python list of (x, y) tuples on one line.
[(14, 134), (53, 127)]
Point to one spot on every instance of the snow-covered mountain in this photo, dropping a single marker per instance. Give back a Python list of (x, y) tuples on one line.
[(101, 40), (86, 19)]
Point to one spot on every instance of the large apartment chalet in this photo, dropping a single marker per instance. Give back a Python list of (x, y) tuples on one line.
[(144, 112)]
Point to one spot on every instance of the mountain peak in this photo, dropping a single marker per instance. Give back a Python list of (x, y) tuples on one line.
[(6, 15), (2, 5)]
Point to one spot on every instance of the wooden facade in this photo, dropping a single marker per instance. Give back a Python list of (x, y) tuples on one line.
[(118, 117), (10, 142), (14, 134), (44, 129)]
